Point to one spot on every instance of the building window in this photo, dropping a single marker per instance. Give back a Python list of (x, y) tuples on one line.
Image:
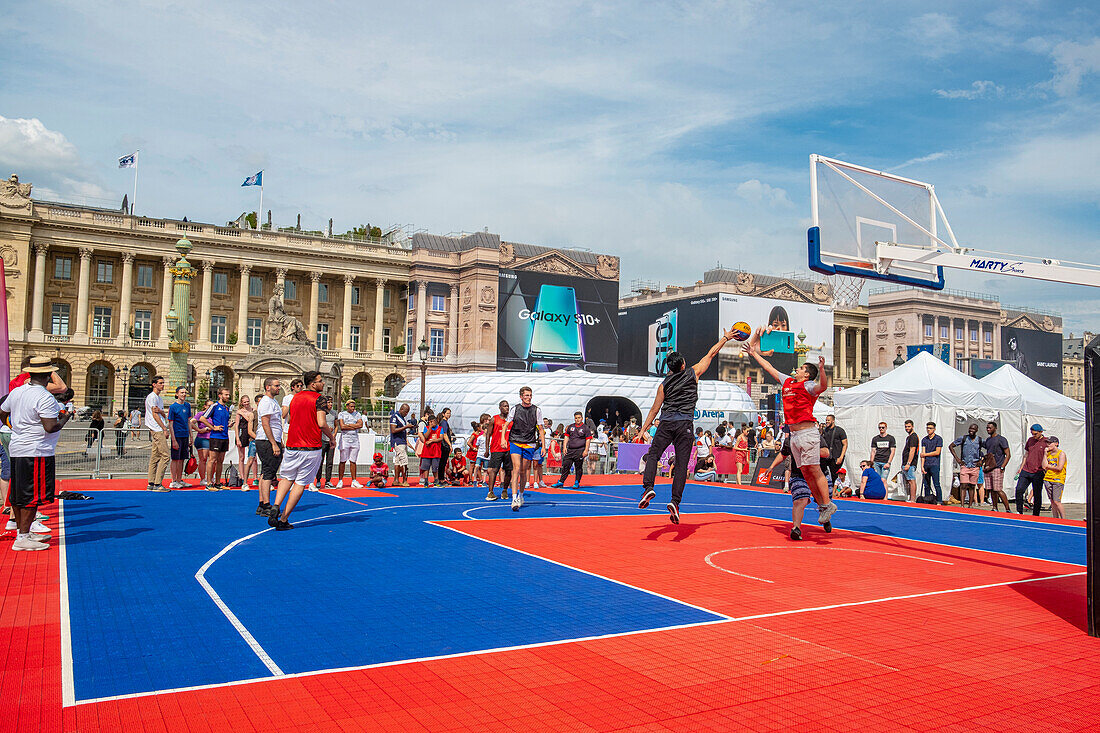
[(973, 334), (354, 338), (217, 329), (409, 341), (386, 298), (322, 293), (438, 303), (99, 378), (987, 336), (322, 336), (960, 364), (104, 272), (412, 303), (145, 276), (255, 325), (221, 283), (928, 330), (943, 332), (436, 342), (355, 295), (59, 319), (63, 268), (958, 333), (101, 322), (143, 325), (290, 290), (255, 286), (386, 340)]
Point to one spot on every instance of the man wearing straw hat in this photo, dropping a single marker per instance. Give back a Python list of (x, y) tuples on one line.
[(36, 422)]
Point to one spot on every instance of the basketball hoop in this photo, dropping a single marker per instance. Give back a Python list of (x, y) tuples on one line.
[(846, 288)]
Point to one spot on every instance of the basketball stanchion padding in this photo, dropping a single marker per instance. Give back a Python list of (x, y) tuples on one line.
[(1092, 480)]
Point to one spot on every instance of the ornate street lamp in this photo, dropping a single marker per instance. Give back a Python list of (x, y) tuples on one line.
[(123, 373), (423, 350)]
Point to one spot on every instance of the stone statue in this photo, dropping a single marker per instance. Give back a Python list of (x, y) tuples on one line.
[(282, 327), (15, 196)]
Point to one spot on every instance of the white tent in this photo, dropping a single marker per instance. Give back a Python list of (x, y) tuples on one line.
[(560, 393), (1059, 415), (923, 389)]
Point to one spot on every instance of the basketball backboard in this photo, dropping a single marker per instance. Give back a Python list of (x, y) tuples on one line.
[(854, 209)]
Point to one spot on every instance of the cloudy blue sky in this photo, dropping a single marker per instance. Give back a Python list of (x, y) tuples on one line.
[(673, 134)]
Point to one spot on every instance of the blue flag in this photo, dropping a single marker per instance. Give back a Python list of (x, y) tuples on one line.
[(256, 180), (128, 161)]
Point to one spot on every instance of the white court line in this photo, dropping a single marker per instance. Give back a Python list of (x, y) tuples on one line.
[(68, 686), (716, 566), (578, 570), (379, 665), (902, 598), (245, 634), (564, 503)]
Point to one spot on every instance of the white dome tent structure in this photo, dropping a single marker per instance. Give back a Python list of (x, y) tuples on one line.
[(1060, 416), (923, 390), (559, 394)]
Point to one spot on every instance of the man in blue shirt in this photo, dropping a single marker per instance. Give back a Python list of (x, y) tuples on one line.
[(179, 420), (871, 485), (217, 419), (967, 452), (931, 446)]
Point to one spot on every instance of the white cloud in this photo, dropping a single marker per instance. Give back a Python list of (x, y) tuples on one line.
[(977, 90), (1062, 166), (922, 159), (756, 192), (47, 159), (1073, 62)]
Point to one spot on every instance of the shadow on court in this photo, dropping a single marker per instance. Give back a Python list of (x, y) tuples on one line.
[(80, 538)]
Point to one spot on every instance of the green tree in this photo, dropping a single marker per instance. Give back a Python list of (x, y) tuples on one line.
[(252, 218)]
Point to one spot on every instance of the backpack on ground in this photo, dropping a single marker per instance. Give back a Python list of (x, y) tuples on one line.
[(233, 478)]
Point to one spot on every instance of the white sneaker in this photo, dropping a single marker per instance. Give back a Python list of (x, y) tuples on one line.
[(336, 484), (356, 485), (825, 512), (515, 502), (39, 528), (11, 525), (26, 543), (38, 537), (521, 494), (41, 517)]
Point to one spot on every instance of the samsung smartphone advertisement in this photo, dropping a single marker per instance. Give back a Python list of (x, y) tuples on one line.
[(1036, 354), (548, 322), (794, 326), (649, 333)]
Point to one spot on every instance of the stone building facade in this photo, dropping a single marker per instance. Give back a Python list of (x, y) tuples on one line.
[(1073, 365), (969, 323), (91, 287)]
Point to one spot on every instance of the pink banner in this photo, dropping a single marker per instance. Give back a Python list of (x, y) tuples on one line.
[(5, 357)]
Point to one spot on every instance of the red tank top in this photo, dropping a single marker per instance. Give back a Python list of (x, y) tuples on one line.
[(303, 431), (798, 403), (498, 442)]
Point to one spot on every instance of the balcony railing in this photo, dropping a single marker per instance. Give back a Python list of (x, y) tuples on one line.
[(101, 341), (56, 338), (224, 347)]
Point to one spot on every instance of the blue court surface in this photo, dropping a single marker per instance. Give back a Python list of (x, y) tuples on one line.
[(179, 590)]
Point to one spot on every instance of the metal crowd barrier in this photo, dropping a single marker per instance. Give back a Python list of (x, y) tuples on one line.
[(86, 453)]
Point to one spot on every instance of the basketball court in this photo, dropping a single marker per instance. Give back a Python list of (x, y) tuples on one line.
[(432, 609)]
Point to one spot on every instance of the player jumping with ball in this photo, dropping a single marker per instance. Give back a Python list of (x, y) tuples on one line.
[(800, 392)]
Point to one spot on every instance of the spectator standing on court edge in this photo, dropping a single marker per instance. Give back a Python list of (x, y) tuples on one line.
[(931, 447), (883, 447), (155, 418), (967, 451), (835, 439), (909, 456), (996, 458), (1031, 473), (1054, 478), (399, 444), (269, 442), (36, 421)]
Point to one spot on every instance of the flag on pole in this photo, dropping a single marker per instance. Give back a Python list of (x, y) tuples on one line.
[(256, 180), (128, 161)]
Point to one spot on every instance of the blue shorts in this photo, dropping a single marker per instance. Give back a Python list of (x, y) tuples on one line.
[(800, 489), (251, 449), (5, 464), (910, 473), (527, 454), (483, 462), (202, 443)]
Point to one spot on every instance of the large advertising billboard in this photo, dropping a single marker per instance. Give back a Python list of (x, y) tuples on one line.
[(548, 322), (790, 320), (649, 333), (1036, 354), (940, 351)]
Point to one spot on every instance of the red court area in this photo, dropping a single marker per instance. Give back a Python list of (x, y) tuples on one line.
[(854, 632)]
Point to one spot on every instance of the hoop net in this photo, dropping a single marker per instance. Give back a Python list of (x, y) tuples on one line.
[(847, 288)]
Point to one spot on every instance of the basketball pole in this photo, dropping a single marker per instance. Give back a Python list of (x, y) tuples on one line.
[(1092, 481)]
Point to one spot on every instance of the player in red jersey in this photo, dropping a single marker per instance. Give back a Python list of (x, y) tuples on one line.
[(800, 392), (499, 459)]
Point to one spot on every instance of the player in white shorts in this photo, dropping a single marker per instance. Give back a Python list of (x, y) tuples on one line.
[(348, 424)]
